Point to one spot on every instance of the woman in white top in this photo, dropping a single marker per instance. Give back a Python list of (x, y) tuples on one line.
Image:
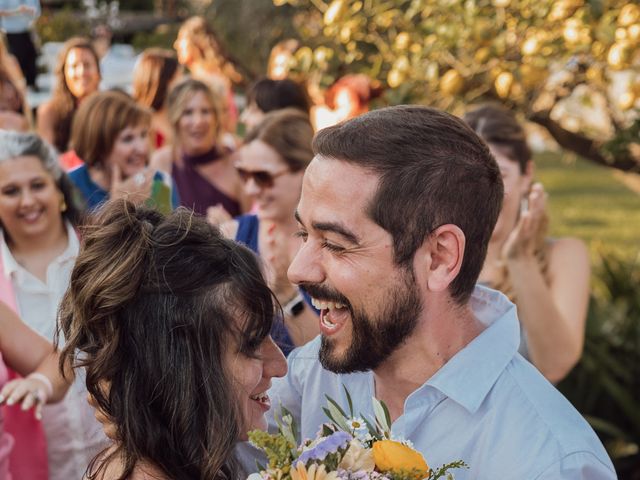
[(38, 246)]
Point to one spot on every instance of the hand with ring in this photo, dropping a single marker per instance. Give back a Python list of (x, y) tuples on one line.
[(31, 391)]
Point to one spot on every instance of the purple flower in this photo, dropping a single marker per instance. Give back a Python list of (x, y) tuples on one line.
[(326, 446)]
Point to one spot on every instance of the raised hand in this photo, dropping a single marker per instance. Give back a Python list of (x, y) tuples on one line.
[(136, 188), (521, 242)]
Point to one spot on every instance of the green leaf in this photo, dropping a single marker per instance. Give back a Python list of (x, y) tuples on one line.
[(382, 416), (346, 391)]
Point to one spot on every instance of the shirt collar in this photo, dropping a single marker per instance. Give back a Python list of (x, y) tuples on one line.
[(469, 375), (11, 265)]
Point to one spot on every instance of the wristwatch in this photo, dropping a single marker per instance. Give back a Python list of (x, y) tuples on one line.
[(294, 307)]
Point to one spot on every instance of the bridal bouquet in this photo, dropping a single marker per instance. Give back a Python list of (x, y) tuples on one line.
[(348, 447)]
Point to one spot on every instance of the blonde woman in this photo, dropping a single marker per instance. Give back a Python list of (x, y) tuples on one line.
[(201, 165)]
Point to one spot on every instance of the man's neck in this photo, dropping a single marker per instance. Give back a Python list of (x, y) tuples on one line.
[(440, 334)]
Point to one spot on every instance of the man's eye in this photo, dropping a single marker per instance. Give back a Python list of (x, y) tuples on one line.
[(331, 247)]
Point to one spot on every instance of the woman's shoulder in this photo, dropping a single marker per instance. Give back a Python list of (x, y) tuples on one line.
[(568, 254)]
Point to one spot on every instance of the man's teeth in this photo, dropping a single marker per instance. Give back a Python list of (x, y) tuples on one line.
[(320, 305)]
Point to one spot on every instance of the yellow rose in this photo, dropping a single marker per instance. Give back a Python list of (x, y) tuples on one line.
[(392, 455)]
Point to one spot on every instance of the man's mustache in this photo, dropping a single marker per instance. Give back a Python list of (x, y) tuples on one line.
[(324, 293)]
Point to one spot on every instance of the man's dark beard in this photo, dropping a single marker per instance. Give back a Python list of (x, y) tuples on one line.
[(373, 340)]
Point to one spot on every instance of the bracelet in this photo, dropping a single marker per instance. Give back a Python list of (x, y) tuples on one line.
[(44, 379)]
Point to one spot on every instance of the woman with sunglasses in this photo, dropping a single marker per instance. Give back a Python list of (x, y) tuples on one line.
[(201, 166), (271, 165)]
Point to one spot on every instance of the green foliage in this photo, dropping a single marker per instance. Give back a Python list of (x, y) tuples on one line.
[(137, 5), (276, 447), (605, 386), (61, 25), (453, 51), (249, 29), (162, 37), (532, 55), (590, 202)]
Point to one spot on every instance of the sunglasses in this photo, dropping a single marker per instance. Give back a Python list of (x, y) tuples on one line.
[(262, 178)]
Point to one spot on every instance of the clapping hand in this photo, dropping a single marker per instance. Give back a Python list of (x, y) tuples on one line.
[(136, 188), (521, 242), (32, 391)]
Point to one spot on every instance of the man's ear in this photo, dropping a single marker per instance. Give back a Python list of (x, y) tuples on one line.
[(441, 256)]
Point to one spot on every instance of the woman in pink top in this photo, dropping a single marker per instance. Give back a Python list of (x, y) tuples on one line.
[(30, 355)]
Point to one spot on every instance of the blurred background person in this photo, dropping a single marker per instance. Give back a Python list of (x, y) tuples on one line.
[(202, 166), (267, 95), (187, 378), (200, 51), (16, 19), (272, 163), (77, 75), (13, 111), (38, 247), (111, 135), (155, 73), (347, 98), (10, 65), (547, 278)]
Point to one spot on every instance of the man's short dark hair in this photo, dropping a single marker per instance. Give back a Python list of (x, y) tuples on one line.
[(434, 170)]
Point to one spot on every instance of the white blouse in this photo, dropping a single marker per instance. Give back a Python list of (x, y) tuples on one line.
[(74, 436)]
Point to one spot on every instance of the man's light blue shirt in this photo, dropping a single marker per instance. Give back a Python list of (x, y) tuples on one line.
[(20, 22), (486, 406)]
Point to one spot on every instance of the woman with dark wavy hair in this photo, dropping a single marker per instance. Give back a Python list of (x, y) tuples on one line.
[(172, 324)]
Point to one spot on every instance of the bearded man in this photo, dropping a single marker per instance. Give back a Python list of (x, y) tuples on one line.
[(397, 209)]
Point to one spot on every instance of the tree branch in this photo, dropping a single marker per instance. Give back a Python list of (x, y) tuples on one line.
[(583, 146)]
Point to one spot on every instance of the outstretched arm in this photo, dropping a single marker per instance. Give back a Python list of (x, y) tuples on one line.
[(33, 357)]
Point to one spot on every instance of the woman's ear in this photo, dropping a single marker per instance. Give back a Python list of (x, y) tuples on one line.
[(441, 255)]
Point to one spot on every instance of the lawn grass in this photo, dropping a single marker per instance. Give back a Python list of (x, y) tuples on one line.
[(592, 203)]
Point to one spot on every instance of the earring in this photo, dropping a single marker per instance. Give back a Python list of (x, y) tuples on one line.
[(63, 206)]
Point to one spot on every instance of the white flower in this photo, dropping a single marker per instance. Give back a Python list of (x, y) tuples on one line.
[(356, 423), (357, 458)]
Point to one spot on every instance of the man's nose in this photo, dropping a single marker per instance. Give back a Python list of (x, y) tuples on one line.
[(306, 266)]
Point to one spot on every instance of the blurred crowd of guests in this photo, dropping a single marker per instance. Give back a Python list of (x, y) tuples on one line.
[(173, 141)]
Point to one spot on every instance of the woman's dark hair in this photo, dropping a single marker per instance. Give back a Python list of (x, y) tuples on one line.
[(270, 95), (63, 101), (499, 127), (289, 133), (17, 144), (153, 304), (154, 71)]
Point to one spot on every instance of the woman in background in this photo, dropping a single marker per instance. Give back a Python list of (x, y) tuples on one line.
[(38, 247), (27, 353), (547, 278), (110, 134), (201, 52), (77, 76), (155, 73), (200, 164), (272, 163), (171, 322)]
